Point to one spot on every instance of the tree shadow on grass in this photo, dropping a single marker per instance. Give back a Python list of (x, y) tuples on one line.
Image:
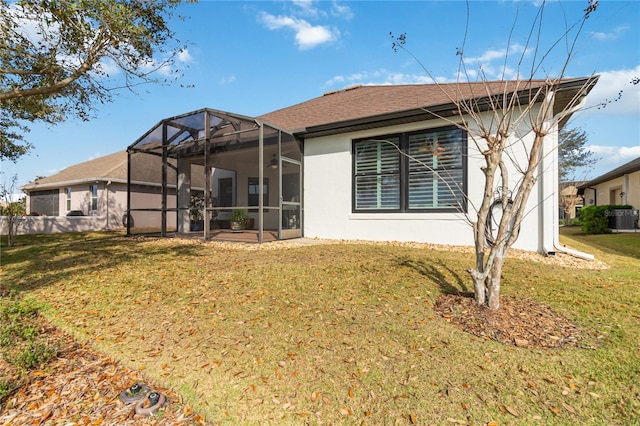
[(45, 260), (447, 279)]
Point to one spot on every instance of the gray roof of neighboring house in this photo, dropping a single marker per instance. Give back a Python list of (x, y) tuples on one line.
[(109, 167), (630, 167), (112, 167)]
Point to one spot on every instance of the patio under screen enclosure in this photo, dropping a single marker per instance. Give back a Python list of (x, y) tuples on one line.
[(190, 174)]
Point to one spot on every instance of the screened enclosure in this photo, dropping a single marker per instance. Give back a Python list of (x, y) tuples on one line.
[(215, 175)]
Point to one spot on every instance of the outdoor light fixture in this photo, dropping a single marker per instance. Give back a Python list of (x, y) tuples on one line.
[(273, 163)]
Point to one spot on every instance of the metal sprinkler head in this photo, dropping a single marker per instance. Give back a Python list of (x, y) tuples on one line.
[(134, 389), (154, 397)]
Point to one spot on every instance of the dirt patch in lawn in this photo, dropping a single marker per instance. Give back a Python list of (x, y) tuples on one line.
[(81, 386), (519, 322)]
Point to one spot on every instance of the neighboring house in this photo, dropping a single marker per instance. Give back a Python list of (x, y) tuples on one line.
[(96, 188), (620, 186), (570, 200), (90, 195), (325, 168)]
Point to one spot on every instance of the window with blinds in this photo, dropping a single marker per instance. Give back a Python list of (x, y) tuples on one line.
[(68, 198), (377, 175), (94, 197), (411, 172)]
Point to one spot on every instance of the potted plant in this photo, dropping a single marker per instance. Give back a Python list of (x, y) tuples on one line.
[(239, 219), (196, 212)]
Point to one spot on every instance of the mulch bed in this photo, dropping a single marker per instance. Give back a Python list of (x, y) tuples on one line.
[(81, 387), (519, 322)]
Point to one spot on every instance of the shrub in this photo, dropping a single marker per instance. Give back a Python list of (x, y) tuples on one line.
[(35, 354), (21, 343), (595, 219)]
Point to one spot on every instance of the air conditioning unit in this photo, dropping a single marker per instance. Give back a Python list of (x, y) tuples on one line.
[(623, 218)]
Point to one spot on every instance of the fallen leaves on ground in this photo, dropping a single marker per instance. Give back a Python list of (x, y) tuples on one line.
[(520, 322), (82, 386)]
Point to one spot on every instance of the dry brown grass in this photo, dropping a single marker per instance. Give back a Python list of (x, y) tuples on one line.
[(335, 334)]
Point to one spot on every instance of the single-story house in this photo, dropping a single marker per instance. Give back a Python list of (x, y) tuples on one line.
[(620, 186), (88, 196), (380, 163), (570, 200)]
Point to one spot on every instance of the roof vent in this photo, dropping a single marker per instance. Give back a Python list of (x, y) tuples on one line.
[(331, 92), (355, 86)]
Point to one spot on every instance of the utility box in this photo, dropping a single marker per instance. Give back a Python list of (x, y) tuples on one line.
[(623, 218)]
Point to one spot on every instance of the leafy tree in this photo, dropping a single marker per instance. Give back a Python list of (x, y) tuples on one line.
[(507, 128), (60, 58), (573, 153)]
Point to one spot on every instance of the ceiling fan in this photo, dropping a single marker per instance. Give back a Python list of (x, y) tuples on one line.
[(273, 164)]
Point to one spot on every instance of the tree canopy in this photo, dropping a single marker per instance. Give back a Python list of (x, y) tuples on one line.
[(573, 153), (61, 58)]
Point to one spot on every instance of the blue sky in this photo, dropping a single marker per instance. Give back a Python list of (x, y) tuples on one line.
[(258, 56)]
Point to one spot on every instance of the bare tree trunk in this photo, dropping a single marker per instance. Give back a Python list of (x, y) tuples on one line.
[(10, 231), (493, 280), (479, 288)]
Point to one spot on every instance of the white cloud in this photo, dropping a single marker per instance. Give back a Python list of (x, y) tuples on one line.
[(494, 63), (617, 31), (107, 66), (615, 93), (307, 36), (163, 66), (615, 154), (342, 11), (228, 80), (334, 80), (487, 56), (184, 56), (29, 24), (379, 77), (306, 8)]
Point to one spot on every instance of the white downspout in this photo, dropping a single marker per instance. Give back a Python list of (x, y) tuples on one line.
[(556, 246)]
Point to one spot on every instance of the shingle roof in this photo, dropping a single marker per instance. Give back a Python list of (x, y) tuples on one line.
[(372, 101), (630, 167), (108, 167), (334, 112)]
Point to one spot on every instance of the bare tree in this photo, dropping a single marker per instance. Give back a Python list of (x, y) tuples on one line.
[(568, 199), (11, 210), (508, 122)]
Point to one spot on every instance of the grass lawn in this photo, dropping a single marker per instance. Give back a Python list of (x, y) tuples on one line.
[(340, 334)]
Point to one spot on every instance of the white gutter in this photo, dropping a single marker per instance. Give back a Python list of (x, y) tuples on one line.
[(34, 186), (556, 246)]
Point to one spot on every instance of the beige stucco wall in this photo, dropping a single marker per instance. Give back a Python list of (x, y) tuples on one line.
[(111, 208), (609, 192), (55, 224)]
